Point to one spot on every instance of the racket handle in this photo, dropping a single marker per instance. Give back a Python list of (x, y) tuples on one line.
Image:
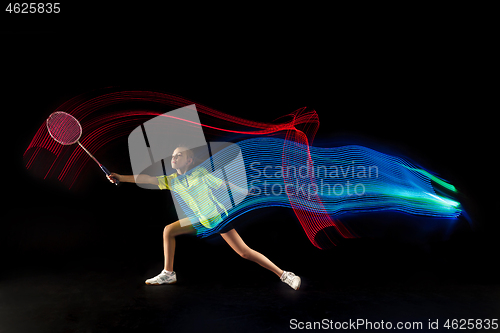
[(106, 171)]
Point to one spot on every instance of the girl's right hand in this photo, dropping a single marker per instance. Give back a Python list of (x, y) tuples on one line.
[(113, 177)]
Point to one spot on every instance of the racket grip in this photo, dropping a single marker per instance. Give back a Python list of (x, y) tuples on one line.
[(106, 171)]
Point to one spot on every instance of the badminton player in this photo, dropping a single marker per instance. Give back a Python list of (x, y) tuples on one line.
[(195, 188)]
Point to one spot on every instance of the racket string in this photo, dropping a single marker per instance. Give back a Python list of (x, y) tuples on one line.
[(64, 128)]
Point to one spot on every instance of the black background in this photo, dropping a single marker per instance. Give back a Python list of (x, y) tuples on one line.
[(420, 92)]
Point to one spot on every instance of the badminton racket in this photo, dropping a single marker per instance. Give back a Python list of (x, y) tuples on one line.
[(66, 130)]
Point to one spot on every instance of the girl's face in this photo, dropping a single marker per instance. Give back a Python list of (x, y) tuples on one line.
[(180, 159)]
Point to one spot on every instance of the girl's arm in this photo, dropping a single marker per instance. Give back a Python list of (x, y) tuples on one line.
[(139, 179)]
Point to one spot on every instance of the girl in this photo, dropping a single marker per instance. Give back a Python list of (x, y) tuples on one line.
[(194, 188)]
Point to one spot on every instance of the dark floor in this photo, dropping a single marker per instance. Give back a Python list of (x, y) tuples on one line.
[(96, 296), (79, 277)]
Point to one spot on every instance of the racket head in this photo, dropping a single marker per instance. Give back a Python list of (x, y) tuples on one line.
[(64, 128)]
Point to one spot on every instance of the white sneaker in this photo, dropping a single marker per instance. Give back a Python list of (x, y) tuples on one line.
[(164, 277), (291, 279)]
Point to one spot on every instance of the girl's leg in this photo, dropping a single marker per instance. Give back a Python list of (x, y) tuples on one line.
[(234, 240), (169, 233)]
